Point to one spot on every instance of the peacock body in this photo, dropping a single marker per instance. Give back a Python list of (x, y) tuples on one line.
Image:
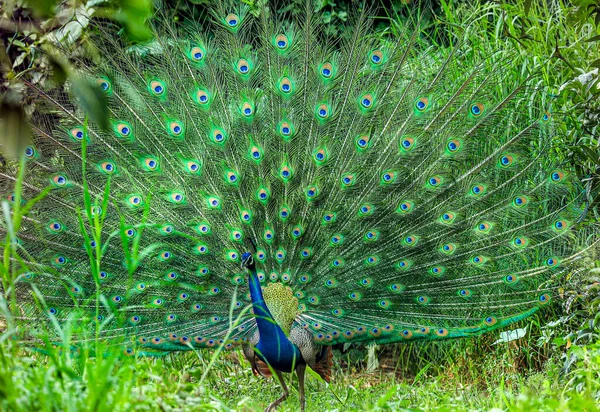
[(364, 190)]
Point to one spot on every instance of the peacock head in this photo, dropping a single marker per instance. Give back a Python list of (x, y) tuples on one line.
[(247, 260)]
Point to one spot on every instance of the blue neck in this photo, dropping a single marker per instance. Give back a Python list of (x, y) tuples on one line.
[(273, 346)]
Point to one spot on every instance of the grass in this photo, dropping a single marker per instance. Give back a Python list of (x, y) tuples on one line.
[(495, 381)]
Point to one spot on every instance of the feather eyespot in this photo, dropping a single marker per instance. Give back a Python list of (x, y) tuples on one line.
[(483, 227), (175, 128), (77, 133), (55, 227), (441, 332), (376, 57), (520, 242), (506, 160), (476, 109), (247, 109), (305, 253), (108, 167), (218, 135), (284, 213), (196, 54), (262, 194), (411, 240), (366, 101), (213, 202), (311, 192), (192, 166), (407, 143), (165, 255), (434, 181), (464, 293), (365, 210), (478, 260), (157, 87), (371, 260), (285, 85), (423, 300), (546, 117), (520, 201), (552, 262), (281, 42), (320, 156), (268, 235), (447, 217), (123, 129), (246, 216), (203, 228), (329, 217), (557, 176), (231, 177), (30, 152), (135, 200), (286, 129), (150, 164), (105, 84), (297, 231), (326, 70), (453, 145), (448, 248), (336, 240), (285, 173), (544, 298), (510, 279), (202, 97), (176, 197), (406, 206), (362, 142), (322, 111), (422, 104), (388, 177), (347, 180), (560, 225), (232, 20), (243, 67)]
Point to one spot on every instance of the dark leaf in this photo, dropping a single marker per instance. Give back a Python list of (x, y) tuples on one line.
[(16, 132), (527, 7), (92, 100), (134, 14)]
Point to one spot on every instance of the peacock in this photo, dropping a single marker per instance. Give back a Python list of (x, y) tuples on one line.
[(260, 184)]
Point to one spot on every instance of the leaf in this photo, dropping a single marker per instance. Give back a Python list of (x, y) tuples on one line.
[(91, 99), (133, 14), (372, 361), (511, 335), (527, 7), (15, 128), (595, 38), (42, 8)]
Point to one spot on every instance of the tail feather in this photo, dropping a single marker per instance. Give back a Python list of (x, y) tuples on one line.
[(401, 192)]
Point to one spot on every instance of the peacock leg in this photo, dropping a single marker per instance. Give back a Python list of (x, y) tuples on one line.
[(300, 371), (283, 397)]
